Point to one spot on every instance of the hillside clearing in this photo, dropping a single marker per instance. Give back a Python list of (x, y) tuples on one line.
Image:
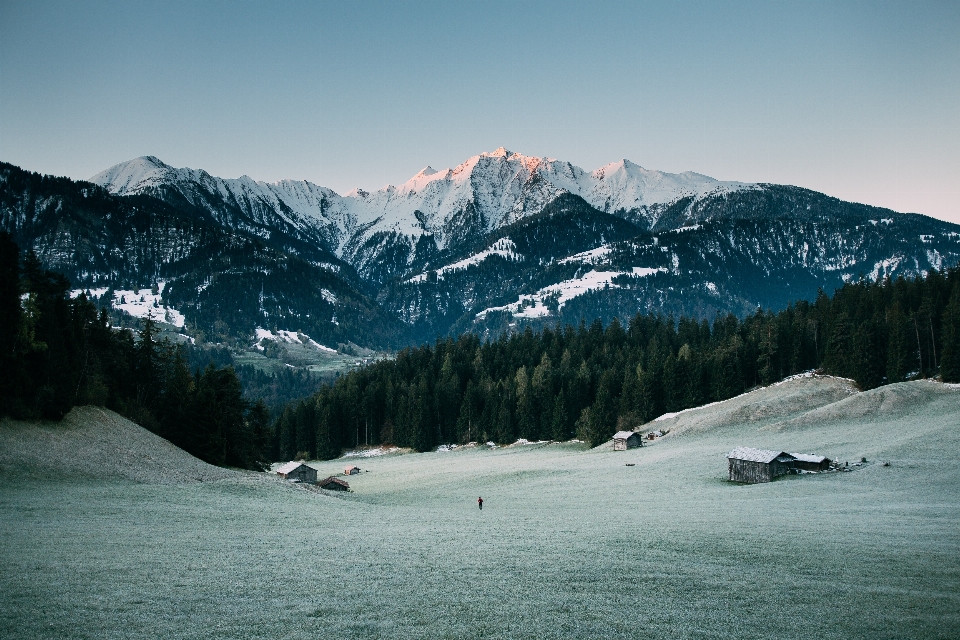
[(570, 543)]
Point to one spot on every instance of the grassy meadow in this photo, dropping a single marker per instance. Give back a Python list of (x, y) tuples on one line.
[(570, 543)]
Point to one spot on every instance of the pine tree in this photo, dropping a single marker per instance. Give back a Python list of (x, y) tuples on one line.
[(950, 354), (12, 342), (560, 428), (603, 412), (901, 349)]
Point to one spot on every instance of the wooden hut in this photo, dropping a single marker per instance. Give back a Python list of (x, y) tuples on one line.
[(334, 484), (297, 472), (351, 470), (758, 465), (623, 440), (810, 462)]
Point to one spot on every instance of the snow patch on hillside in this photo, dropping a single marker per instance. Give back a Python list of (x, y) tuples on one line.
[(289, 337), (539, 304), (593, 256), (504, 247), (328, 296), (139, 303)]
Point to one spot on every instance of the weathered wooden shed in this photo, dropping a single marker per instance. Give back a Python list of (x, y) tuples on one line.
[(351, 470), (810, 462), (297, 472), (334, 484), (623, 440), (758, 465)]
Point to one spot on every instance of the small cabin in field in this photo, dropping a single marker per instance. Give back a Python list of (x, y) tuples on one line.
[(758, 465), (623, 440), (810, 462), (351, 470), (334, 484), (297, 472)]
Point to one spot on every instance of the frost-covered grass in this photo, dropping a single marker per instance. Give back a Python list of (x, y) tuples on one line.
[(570, 542)]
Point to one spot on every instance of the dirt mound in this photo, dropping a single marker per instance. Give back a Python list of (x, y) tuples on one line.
[(778, 402), (95, 442)]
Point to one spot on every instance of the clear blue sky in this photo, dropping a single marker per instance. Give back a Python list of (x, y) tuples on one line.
[(860, 100)]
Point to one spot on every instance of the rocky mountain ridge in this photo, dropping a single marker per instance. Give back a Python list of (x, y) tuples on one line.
[(434, 211), (501, 241)]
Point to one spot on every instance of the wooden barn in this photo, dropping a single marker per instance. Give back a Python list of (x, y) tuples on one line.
[(810, 462), (334, 484), (297, 472), (758, 465), (351, 470), (623, 440)]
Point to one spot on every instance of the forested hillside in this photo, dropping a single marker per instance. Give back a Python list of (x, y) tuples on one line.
[(59, 352), (228, 281), (588, 381)]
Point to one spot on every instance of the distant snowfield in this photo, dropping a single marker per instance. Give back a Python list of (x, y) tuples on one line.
[(589, 257), (289, 337), (140, 303), (503, 247), (536, 305)]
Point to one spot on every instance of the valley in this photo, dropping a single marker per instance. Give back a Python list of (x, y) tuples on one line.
[(571, 541)]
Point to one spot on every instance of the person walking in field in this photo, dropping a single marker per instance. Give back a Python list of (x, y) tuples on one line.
[(480, 503)]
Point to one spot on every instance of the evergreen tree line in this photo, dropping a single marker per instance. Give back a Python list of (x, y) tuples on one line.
[(589, 381), (59, 352)]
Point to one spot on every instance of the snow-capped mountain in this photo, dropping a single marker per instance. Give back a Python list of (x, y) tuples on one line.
[(444, 210), (499, 241)]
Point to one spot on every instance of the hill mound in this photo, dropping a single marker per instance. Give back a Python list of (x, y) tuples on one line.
[(778, 402), (909, 423), (98, 443)]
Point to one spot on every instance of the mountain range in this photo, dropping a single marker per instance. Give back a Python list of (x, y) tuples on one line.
[(500, 241)]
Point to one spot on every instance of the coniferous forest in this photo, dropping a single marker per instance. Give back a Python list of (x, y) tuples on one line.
[(60, 352), (559, 383), (591, 380)]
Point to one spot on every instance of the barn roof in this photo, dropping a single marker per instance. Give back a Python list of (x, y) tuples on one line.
[(809, 457), (623, 435), (757, 455), (334, 480), (290, 466)]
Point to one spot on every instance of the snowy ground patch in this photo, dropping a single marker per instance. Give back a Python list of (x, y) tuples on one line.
[(538, 304), (504, 247), (139, 303), (592, 256), (289, 337), (371, 453)]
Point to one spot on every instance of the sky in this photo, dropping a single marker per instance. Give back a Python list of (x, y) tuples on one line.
[(859, 100)]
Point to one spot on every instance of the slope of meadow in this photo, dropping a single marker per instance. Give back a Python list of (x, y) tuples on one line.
[(570, 543)]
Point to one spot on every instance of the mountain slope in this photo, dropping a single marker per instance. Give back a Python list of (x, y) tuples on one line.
[(434, 211), (501, 240), (763, 247), (225, 280)]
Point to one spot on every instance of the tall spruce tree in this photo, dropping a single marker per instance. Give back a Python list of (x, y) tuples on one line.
[(950, 355)]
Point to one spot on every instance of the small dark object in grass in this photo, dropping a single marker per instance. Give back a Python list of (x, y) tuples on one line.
[(886, 464), (631, 464), (863, 459)]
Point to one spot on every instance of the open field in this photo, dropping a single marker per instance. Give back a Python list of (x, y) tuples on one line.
[(570, 542)]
